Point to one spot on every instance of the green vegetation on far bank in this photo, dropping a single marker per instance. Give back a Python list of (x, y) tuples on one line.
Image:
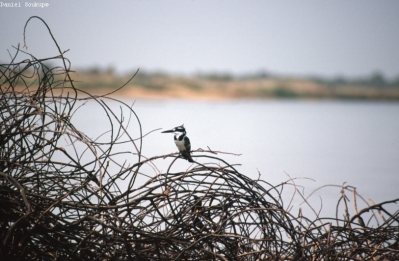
[(259, 85)]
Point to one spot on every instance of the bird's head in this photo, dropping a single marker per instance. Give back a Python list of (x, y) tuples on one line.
[(177, 130)]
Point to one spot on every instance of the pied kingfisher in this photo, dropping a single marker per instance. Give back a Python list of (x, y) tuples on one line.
[(182, 142)]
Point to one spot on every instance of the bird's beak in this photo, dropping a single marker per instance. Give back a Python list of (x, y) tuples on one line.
[(167, 131)]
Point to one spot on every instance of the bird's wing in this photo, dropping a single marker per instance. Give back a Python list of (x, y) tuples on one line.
[(187, 143)]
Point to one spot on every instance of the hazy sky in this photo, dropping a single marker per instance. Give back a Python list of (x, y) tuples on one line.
[(327, 38)]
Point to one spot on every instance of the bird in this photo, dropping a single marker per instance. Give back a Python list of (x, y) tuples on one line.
[(182, 142)]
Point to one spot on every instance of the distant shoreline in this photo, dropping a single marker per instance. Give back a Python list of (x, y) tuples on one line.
[(209, 96), (226, 87), (222, 87)]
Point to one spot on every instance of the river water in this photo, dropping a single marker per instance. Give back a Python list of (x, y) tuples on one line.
[(318, 142)]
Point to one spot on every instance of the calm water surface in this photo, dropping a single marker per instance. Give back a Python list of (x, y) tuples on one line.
[(329, 142)]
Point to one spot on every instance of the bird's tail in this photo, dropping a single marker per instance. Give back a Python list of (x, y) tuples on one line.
[(187, 155)]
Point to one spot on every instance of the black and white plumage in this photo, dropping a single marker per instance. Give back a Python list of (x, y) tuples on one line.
[(182, 142)]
